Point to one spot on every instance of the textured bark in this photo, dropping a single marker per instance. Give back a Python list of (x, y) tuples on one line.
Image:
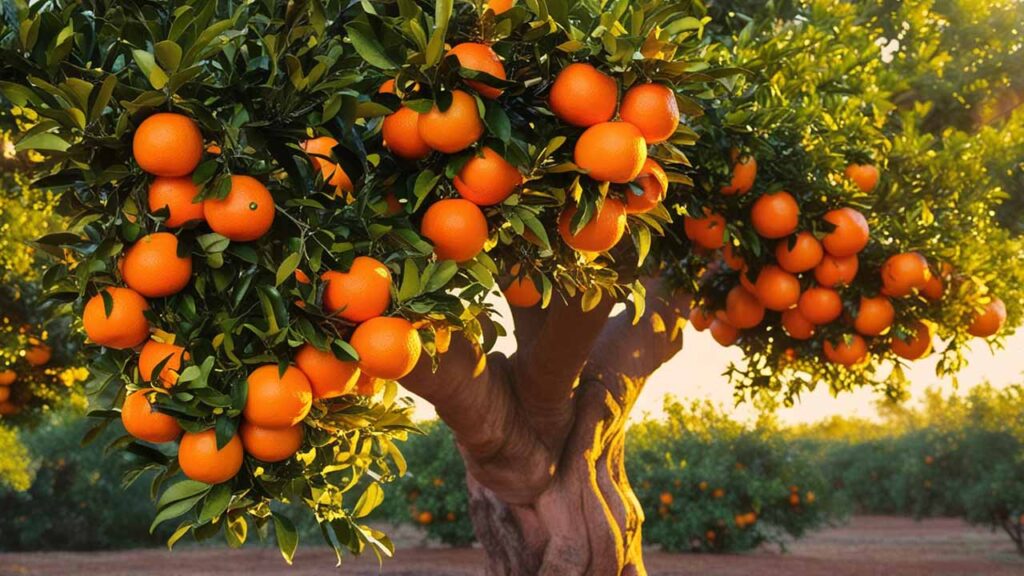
[(543, 434)]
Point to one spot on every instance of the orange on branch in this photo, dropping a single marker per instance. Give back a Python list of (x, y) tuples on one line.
[(168, 144), (775, 215), (359, 294), (319, 151), (732, 259), (611, 152), (902, 274), (799, 255), (916, 346), (329, 376), (743, 309), (455, 129), (708, 232), (154, 353), (820, 305), (798, 327), (865, 176), (8, 377), (851, 233), (270, 444), (245, 214), (125, 327), (874, 316), (601, 233), (456, 227), (177, 195), (38, 354), (583, 96), (522, 291), (653, 109), (145, 423), (276, 400), (724, 333), (989, 321), (152, 266), (480, 58), (777, 289), (202, 461), (401, 134), (653, 182), (388, 348), (744, 172), (487, 179), (848, 351), (833, 271)]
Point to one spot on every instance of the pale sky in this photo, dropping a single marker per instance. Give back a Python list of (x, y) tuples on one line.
[(696, 373)]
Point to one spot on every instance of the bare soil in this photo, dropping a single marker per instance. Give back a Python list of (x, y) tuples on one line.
[(868, 545)]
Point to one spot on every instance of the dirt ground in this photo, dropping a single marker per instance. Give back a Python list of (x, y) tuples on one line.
[(866, 546)]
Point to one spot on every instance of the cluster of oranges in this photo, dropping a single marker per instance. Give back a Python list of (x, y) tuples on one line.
[(37, 354), (169, 147), (807, 272)]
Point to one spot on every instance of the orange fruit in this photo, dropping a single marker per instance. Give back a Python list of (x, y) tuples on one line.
[(359, 294), (9, 408), (653, 109), (481, 58), (934, 288), (388, 348), (276, 400), (724, 333), (799, 255), (745, 280), (39, 354), (125, 327), (319, 150), (701, 319), (213, 149), (455, 129), (904, 273), (820, 305), (798, 327), (833, 271), (402, 135), (917, 346), (653, 182), (777, 289), (731, 258), (202, 461), (611, 152), (153, 268), (601, 233), (744, 172), (8, 377), (270, 444), (168, 144), (388, 87), (329, 376), (5, 394), (456, 227), (708, 232), (245, 214), (775, 215), (848, 351), (874, 316), (501, 6), (851, 233), (177, 195), (487, 179), (522, 291), (583, 96), (142, 421), (865, 176), (425, 518), (665, 498), (154, 353), (367, 386), (743, 309), (989, 321)]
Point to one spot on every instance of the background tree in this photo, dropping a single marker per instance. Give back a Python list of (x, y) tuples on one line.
[(369, 172)]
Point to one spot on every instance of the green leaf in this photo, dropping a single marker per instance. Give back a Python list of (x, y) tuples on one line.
[(182, 490), (446, 270), (103, 97), (410, 280), (156, 76), (442, 14), (287, 536), (287, 267), (42, 141), (174, 510), (365, 42), (371, 498), (168, 54), (215, 504)]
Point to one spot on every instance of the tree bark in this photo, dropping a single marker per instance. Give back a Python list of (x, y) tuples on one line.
[(543, 434)]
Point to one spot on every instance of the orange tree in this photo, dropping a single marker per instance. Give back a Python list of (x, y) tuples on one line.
[(368, 173)]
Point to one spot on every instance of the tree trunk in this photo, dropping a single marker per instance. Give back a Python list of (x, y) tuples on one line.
[(543, 434)]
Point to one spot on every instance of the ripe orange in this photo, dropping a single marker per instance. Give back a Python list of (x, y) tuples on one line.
[(665, 498), (359, 294), (904, 273), (601, 233), (455, 129), (654, 183), (874, 316), (245, 214), (777, 289), (522, 291), (820, 305), (851, 233), (177, 195), (611, 152), (487, 178), (864, 175), (743, 309), (8, 377), (5, 395), (153, 353), (425, 518), (333, 173), (142, 421), (481, 58), (834, 271), (168, 144), (388, 87), (989, 321), (270, 444), (724, 333), (125, 327), (457, 228), (201, 461), (744, 172), (848, 351), (275, 400), (153, 268), (402, 135), (653, 109), (798, 327), (583, 95), (368, 386), (9, 408), (775, 215), (731, 258), (329, 377), (388, 348), (708, 232), (917, 346), (501, 6), (701, 319), (934, 288), (805, 253), (38, 354)]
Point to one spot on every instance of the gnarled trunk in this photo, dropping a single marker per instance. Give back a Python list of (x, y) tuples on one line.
[(543, 435)]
